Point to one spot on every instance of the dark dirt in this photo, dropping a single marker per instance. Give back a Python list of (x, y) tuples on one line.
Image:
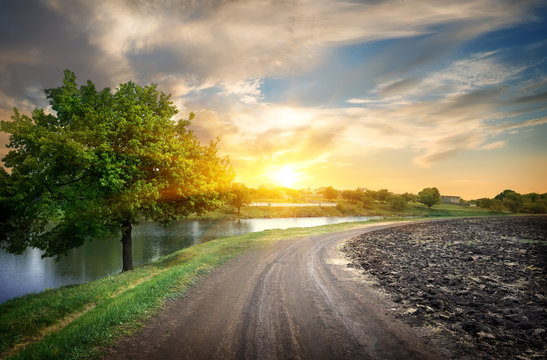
[(480, 282)]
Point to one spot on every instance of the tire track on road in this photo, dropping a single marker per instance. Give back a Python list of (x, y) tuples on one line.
[(286, 300)]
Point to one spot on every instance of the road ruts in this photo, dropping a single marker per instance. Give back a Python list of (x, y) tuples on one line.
[(293, 299)]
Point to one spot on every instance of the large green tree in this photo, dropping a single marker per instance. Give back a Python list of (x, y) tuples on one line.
[(429, 196), (98, 163)]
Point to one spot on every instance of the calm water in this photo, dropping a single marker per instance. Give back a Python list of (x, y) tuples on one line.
[(26, 273)]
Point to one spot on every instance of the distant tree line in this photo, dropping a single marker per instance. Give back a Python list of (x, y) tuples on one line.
[(514, 202), (241, 195), (507, 200)]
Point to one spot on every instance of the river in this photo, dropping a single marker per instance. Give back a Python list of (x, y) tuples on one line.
[(27, 273)]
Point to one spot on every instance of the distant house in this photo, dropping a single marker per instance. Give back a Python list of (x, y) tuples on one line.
[(445, 199)]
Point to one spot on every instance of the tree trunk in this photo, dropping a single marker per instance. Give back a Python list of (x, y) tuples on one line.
[(127, 245)]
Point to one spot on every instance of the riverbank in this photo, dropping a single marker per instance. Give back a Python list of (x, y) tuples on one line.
[(75, 322), (29, 273), (479, 281)]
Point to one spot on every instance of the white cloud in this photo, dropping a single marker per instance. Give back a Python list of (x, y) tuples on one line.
[(480, 70), (247, 91), (517, 125), (191, 47), (494, 145), (234, 41), (431, 131)]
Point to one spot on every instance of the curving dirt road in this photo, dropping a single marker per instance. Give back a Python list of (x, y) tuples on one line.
[(293, 299)]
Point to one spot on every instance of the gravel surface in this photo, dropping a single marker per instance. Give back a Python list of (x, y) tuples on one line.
[(481, 282)]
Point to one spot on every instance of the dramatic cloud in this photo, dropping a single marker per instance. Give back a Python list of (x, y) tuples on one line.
[(302, 82)]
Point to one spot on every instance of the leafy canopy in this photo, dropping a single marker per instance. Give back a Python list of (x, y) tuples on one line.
[(106, 158), (396, 202), (330, 193), (429, 196), (239, 196)]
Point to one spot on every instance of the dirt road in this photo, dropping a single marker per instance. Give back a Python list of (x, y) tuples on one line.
[(293, 299)]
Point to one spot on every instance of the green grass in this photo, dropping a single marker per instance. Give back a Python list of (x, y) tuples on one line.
[(107, 308)]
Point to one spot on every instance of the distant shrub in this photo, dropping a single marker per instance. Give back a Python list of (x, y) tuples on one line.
[(496, 205), (410, 197), (367, 202), (396, 202), (342, 208), (535, 208), (513, 201), (383, 195), (484, 202)]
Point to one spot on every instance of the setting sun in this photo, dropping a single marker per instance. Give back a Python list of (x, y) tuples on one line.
[(285, 176)]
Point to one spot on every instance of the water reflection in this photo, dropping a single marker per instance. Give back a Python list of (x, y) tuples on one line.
[(26, 273)]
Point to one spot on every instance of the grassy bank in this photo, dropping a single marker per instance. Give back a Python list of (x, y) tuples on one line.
[(77, 321)]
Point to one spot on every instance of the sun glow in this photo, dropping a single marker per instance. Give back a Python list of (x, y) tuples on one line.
[(285, 176)]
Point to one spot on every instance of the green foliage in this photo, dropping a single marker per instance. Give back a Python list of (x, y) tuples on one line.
[(535, 198), (513, 201), (239, 196), (358, 197), (267, 192), (496, 205), (396, 202), (410, 197), (345, 209), (372, 194), (382, 195), (535, 208), (508, 199), (106, 158), (429, 196), (330, 193), (482, 202), (367, 202), (6, 226), (292, 193), (348, 195), (353, 196), (503, 194)]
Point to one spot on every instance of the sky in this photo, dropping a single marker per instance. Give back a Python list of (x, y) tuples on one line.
[(375, 94)]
